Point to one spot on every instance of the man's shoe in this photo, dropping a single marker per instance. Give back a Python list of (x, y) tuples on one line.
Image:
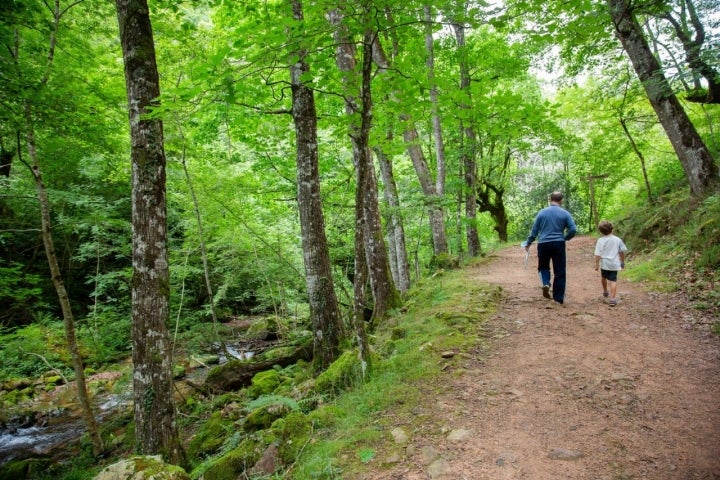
[(546, 291)]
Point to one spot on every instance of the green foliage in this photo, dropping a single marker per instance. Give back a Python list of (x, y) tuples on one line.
[(677, 238), (45, 338), (233, 464), (273, 400), (210, 438), (352, 426)]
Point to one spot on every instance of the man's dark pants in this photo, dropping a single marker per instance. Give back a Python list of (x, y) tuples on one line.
[(555, 252)]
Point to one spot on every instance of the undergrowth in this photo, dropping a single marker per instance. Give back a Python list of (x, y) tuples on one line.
[(442, 314), (676, 246)]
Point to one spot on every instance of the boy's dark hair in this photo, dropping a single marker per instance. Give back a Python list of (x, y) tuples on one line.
[(605, 227)]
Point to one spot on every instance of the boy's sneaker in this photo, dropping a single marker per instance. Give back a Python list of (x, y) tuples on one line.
[(546, 291), (613, 302), (606, 294)]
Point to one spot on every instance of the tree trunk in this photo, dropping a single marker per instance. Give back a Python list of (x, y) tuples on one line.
[(467, 146), (639, 154), (700, 168), (410, 136), (155, 428), (490, 199), (68, 318), (385, 292), (401, 268), (324, 312), (360, 281), (46, 231), (436, 123)]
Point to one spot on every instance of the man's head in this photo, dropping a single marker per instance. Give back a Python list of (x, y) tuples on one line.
[(556, 197)]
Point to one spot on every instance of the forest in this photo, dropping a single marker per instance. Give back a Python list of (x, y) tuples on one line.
[(172, 170)]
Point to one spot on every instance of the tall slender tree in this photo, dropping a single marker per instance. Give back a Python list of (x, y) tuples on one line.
[(468, 138), (35, 89), (328, 331), (155, 426), (358, 105), (419, 160)]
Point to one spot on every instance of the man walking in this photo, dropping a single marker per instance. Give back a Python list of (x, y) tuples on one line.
[(553, 226)]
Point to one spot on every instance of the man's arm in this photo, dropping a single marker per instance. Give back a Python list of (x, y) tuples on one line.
[(571, 228)]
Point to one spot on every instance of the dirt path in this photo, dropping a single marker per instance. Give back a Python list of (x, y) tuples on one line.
[(585, 391)]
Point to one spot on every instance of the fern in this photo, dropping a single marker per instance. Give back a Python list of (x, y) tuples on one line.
[(267, 400)]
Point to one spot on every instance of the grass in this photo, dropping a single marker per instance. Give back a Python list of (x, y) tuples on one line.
[(441, 314), (675, 246)]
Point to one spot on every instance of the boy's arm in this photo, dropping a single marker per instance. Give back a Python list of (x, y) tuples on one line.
[(597, 262)]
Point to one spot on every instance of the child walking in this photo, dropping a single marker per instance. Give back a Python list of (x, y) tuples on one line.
[(609, 259)]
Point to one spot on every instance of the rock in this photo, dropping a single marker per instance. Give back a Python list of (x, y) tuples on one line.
[(429, 455), (268, 463), (459, 435), (142, 468), (400, 436), (565, 454), (438, 469)]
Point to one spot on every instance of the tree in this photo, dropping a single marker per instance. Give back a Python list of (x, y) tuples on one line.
[(467, 139), (37, 88), (324, 312), (411, 138), (689, 29), (358, 105), (699, 165), (156, 430)]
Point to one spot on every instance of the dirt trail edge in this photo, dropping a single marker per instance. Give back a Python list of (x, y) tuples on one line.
[(585, 391)]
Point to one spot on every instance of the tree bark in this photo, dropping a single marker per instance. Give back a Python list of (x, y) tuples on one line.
[(46, 229), (693, 46), (468, 140), (68, 317), (385, 293), (399, 259), (699, 165), (410, 136), (156, 429), (324, 311)]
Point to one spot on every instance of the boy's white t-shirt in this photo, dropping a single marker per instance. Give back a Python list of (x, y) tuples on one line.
[(608, 247)]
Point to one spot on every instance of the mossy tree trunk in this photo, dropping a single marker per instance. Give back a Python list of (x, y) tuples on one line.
[(155, 427), (328, 331)]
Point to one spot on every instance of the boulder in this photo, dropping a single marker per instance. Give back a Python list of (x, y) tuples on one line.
[(150, 467)]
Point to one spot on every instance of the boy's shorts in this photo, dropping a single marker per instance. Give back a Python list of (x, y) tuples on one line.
[(609, 275)]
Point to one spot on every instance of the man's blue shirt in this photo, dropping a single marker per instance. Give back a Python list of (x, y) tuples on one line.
[(552, 224)]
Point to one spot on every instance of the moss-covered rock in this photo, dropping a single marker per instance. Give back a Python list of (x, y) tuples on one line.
[(264, 329), (237, 461), (210, 437), (16, 384), (293, 432), (263, 417), (279, 352), (142, 468), (264, 383), (343, 373), (325, 416), (15, 470)]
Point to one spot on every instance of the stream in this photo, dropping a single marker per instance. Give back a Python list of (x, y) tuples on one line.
[(49, 434)]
